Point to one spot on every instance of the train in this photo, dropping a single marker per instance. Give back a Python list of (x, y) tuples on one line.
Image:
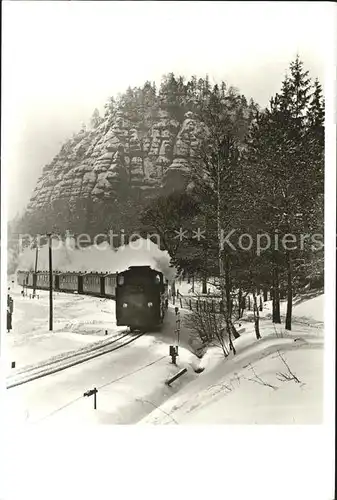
[(96, 284), (141, 298), (140, 292)]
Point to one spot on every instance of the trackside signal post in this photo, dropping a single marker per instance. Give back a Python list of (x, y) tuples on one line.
[(177, 330), (92, 392), (174, 349)]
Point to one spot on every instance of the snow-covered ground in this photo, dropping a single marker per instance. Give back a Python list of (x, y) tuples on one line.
[(131, 380), (77, 321), (278, 379)]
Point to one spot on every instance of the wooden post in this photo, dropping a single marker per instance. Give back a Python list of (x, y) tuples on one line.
[(177, 325), (50, 284), (35, 269), (173, 354), (177, 375)]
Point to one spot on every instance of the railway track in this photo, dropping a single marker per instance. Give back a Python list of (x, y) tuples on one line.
[(67, 360)]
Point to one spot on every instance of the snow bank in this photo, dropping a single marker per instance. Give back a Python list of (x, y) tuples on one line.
[(276, 380), (311, 309)]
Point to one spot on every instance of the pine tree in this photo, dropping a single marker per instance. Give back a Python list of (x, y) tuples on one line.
[(95, 119), (110, 107), (288, 181)]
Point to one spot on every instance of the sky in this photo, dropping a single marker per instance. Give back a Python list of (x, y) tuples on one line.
[(61, 60)]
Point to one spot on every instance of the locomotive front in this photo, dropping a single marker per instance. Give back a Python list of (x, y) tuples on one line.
[(140, 298)]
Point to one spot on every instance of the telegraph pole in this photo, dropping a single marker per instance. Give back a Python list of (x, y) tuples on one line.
[(50, 283), (35, 276)]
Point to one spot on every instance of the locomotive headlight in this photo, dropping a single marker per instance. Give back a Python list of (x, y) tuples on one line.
[(149, 304), (125, 305)]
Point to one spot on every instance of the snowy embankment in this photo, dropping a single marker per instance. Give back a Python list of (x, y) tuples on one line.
[(78, 320), (275, 380), (130, 380)]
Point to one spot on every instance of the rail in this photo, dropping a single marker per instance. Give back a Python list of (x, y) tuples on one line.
[(53, 366)]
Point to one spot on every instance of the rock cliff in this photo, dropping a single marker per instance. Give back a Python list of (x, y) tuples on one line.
[(96, 163), (107, 172)]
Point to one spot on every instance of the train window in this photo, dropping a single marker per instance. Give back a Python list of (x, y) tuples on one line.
[(121, 280), (157, 278)]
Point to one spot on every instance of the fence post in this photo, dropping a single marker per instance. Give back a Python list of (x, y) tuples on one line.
[(190, 305)]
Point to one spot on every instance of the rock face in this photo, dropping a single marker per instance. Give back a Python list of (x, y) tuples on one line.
[(119, 151), (108, 174)]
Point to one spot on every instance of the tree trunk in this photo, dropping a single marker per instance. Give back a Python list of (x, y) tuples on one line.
[(220, 259), (276, 297), (232, 329), (289, 292), (256, 317), (265, 295), (240, 303), (261, 304), (173, 292), (243, 305), (204, 285), (193, 283), (204, 274)]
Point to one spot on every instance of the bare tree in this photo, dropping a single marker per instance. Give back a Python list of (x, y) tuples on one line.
[(208, 327), (216, 171)]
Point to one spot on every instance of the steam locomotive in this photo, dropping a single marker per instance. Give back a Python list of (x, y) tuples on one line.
[(140, 292), (141, 298)]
